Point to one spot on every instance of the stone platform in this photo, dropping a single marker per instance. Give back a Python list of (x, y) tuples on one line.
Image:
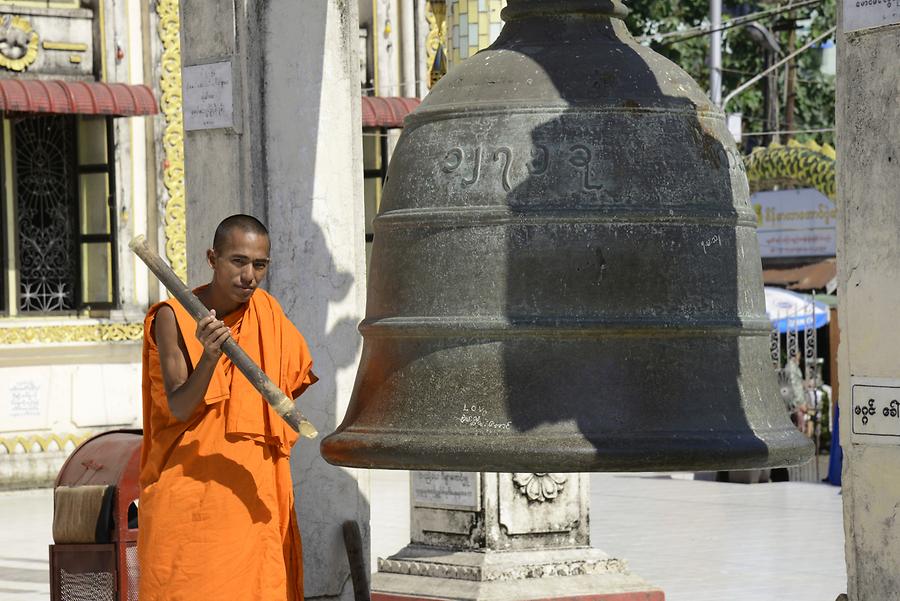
[(576, 574)]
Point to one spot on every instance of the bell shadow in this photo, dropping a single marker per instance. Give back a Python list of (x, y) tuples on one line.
[(230, 474), (632, 269)]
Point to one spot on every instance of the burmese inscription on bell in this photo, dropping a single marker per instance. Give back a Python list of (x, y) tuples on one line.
[(445, 489)]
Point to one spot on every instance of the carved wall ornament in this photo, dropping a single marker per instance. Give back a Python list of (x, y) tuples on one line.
[(508, 571), (436, 41), (18, 43), (61, 334), (539, 487), (173, 137), (37, 443)]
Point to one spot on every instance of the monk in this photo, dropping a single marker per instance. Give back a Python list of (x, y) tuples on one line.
[(216, 508)]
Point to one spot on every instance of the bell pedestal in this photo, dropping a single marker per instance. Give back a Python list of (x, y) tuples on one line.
[(503, 537)]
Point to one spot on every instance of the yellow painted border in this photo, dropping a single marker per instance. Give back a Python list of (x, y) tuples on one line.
[(173, 137), (101, 23), (42, 4), (99, 332), (67, 46), (42, 441)]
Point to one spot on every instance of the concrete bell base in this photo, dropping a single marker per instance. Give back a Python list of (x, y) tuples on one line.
[(580, 574)]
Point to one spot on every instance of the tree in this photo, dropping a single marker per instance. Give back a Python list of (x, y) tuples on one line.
[(742, 58)]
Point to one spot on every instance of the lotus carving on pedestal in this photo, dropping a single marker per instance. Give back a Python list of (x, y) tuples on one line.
[(539, 487)]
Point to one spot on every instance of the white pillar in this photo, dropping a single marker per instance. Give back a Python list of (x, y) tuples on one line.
[(715, 52), (316, 217), (868, 137), (408, 48)]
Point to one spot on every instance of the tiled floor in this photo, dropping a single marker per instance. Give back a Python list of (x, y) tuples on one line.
[(698, 541), (25, 521), (705, 541)]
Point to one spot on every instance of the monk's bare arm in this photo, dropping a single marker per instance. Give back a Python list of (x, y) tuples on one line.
[(185, 389)]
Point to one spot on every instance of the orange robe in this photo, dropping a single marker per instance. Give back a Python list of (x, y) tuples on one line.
[(216, 512)]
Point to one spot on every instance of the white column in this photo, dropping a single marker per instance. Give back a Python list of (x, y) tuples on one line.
[(315, 209), (868, 137), (715, 52), (408, 48)]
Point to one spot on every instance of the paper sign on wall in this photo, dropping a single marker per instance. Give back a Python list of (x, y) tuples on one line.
[(208, 99), (452, 490), (866, 14), (24, 399), (875, 407)]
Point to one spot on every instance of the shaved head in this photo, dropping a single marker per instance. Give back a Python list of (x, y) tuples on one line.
[(243, 223)]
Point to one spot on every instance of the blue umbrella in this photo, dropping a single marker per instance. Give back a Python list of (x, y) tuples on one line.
[(792, 311)]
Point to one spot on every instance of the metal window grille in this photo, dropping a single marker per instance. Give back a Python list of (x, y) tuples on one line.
[(63, 213), (45, 213)]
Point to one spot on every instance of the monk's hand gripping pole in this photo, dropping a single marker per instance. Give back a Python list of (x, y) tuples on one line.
[(280, 402)]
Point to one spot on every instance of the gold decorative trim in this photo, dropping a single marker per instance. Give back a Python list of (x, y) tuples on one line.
[(102, 332), (23, 27), (795, 165), (173, 137), (42, 3), (436, 41), (66, 46), (43, 442), (75, 59)]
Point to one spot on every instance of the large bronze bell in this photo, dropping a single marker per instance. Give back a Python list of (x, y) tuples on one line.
[(565, 274)]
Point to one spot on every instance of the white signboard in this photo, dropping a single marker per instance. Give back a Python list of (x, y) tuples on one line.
[(448, 490), (795, 223), (875, 403), (866, 14), (208, 100)]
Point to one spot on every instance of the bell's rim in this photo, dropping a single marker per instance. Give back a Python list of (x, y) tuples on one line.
[(567, 453)]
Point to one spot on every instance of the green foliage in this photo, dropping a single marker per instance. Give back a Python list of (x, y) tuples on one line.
[(742, 58)]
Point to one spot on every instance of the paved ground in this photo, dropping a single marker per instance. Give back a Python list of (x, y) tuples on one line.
[(699, 541), (705, 541), (25, 521)]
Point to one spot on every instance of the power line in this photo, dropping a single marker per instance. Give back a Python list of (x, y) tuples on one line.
[(761, 74), (689, 34), (786, 131)]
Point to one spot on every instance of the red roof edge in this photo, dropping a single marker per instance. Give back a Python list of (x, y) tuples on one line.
[(387, 112), (82, 98)]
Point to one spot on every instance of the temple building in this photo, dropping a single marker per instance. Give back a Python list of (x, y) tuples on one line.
[(91, 130)]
